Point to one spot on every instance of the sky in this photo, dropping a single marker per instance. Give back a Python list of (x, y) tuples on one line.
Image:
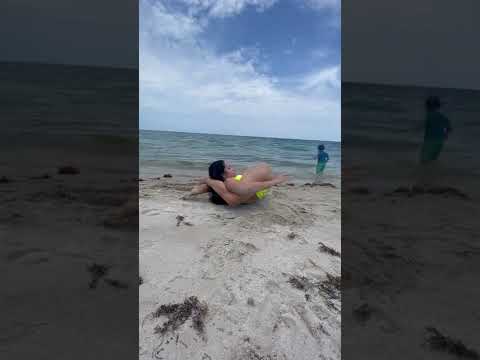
[(264, 67), (241, 67), (86, 32), (412, 42)]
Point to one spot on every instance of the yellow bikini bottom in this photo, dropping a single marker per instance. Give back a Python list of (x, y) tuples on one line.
[(260, 194)]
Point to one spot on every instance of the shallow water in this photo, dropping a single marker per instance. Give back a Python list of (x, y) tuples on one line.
[(185, 153)]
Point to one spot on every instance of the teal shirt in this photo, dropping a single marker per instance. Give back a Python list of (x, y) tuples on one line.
[(437, 126), (322, 156)]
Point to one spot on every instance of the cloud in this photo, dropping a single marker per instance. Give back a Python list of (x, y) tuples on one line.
[(331, 6), (186, 86), (224, 8), (159, 23), (328, 78), (323, 4)]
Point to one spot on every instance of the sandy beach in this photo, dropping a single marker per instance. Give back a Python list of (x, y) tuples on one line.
[(410, 255), (69, 258), (263, 279)]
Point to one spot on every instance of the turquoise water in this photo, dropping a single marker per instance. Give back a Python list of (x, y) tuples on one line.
[(186, 153)]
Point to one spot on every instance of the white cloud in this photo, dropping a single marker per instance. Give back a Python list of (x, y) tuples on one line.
[(323, 4), (158, 22), (328, 78), (224, 8), (190, 87)]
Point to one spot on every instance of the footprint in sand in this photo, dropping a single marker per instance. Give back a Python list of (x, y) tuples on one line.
[(177, 346), (238, 249), (253, 352)]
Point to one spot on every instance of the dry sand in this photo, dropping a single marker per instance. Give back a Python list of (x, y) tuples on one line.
[(266, 275), (53, 231), (410, 262)]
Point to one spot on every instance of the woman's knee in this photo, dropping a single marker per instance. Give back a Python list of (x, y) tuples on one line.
[(264, 166), (260, 172), (264, 171)]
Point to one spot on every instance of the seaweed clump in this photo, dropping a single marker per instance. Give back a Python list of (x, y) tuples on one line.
[(178, 314)]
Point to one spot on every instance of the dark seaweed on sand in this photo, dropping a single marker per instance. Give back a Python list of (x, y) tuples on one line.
[(324, 248), (40, 177), (97, 271), (251, 354), (300, 282), (320, 184), (117, 283), (363, 312), (417, 190), (178, 314), (292, 236), (440, 342), (68, 170), (360, 190), (330, 287), (4, 180), (180, 218)]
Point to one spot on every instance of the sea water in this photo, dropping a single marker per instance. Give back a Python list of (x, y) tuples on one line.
[(190, 154)]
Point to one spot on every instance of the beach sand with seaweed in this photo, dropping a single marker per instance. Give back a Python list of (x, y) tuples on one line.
[(259, 281)]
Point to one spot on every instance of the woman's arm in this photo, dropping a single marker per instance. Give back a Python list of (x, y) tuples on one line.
[(199, 189), (250, 188), (219, 187)]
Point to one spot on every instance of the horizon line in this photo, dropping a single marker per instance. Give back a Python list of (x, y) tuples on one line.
[(137, 67), (35, 62), (251, 136), (350, 82)]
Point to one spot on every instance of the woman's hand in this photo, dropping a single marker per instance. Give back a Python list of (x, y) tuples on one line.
[(197, 189)]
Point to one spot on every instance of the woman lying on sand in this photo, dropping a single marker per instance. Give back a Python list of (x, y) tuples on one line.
[(228, 188)]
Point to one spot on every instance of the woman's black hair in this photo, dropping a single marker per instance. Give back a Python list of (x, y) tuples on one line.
[(321, 147), (216, 171)]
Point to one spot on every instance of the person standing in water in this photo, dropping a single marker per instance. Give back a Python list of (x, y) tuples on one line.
[(322, 159), (437, 129)]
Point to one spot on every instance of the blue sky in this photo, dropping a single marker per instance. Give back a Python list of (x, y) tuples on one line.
[(241, 67)]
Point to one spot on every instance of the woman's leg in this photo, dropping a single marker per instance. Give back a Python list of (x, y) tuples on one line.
[(260, 172), (252, 181)]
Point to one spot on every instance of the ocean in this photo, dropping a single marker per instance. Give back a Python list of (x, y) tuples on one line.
[(68, 100), (383, 129), (188, 154)]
